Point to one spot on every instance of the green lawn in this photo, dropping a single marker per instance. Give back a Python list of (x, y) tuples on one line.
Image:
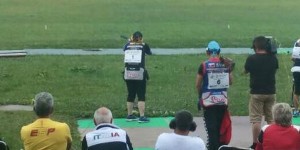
[(167, 23), (81, 84)]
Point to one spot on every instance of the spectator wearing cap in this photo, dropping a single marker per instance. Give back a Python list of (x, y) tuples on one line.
[(44, 133), (212, 81), (182, 124)]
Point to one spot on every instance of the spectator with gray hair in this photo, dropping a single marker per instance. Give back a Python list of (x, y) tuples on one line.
[(44, 133), (106, 136), (282, 134)]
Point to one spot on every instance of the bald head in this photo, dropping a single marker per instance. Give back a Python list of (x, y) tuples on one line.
[(102, 115)]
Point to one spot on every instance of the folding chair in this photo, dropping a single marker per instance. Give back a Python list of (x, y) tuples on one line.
[(228, 147)]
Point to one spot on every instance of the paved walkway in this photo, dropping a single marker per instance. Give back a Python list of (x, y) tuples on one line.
[(16, 107), (146, 136), (156, 51), (241, 133)]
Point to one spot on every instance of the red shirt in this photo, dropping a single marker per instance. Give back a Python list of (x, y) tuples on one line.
[(276, 137)]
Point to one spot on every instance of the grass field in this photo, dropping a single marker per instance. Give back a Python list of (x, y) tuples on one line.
[(80, 84), (167, 23)]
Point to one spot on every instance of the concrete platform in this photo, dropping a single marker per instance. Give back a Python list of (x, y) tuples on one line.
[(16, 107)]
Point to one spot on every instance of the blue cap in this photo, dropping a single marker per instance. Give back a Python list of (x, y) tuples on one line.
[(213, 47)]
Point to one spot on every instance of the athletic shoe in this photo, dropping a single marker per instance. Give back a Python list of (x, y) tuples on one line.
[(131, 118), (143, 119)]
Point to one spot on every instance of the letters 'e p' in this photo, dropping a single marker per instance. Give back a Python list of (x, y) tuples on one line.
[(50, 130)]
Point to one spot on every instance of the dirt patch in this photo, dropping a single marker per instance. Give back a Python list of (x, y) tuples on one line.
[(16, 108)]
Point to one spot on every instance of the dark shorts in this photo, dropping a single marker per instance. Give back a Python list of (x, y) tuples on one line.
[(296, 76), (136, 88)]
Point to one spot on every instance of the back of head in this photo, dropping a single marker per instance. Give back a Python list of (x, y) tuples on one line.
[(213, 48), (282, 114), (137, 37), (264, 43), (102, 115), (43, 104), (183, 121)]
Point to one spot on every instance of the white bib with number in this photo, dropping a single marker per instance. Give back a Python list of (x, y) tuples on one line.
[(133, 56), (134, 74), (217, 79)]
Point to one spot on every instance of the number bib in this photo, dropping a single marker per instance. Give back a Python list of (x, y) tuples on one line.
[(133, 56), (214, 98), (134, 74), (218, 79)]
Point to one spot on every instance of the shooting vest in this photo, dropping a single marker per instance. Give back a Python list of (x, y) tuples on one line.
[(296, 57), (133, 59), (215, 83)]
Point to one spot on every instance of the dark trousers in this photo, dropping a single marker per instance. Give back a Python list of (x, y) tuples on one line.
[(213, 117), (296, 76), (136, 88)]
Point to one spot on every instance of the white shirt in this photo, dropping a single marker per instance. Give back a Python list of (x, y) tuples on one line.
[(296, 52), (172, 141)]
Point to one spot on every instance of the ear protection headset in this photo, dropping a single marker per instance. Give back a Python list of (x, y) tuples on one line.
[(269, 45), (259, 40), (191, 127), (265, 43), (183, 121)]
